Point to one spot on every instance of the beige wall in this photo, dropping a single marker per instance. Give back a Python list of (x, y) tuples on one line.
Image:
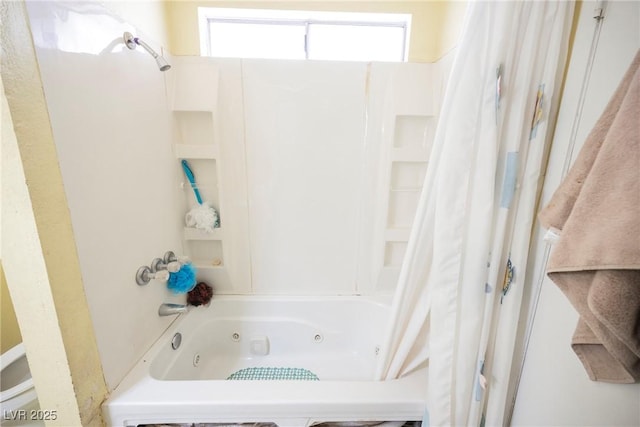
[(434, 28), (9, 331), (450, 28), (10, 334), (147, 15)]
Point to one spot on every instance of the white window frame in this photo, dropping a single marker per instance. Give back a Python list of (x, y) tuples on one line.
[(298, 17)]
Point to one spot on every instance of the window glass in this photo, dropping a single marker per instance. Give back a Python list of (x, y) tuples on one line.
[(356, 42), (255, 40), (296, 34)]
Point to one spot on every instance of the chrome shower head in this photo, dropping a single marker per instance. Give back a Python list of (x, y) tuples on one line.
[(162, 63), (132, 42)]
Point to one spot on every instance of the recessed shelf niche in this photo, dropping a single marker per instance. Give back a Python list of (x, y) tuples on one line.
[(205, 172), (394, 253), (205, 253), (194, 127), (409, 150), (200, 128), (407, 175), (196, 234), (402, 208), (413, 132)]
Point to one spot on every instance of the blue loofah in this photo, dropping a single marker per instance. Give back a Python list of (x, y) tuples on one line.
[(183, 280)]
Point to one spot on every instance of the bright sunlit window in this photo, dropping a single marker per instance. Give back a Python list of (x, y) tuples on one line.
[(287, 34)]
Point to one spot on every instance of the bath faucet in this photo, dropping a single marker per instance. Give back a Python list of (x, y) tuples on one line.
[(170, 309)]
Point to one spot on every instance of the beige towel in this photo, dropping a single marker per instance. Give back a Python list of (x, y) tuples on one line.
[(596, 261)]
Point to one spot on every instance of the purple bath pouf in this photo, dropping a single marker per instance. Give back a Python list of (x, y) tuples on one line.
[(183, 280)]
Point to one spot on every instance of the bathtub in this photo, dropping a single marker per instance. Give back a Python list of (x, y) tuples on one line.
[(335, 339)]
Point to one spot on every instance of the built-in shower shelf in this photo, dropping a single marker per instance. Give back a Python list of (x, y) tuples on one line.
[(216, 276), (406, 188), (207, 265), (195, 151), (397, 234), (410, 154), (196, 234)]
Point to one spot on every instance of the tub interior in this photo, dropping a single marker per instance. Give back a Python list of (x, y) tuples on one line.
[(333, 341), (334, 338)]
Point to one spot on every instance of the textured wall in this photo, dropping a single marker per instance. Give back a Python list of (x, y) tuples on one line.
[(10, 331)]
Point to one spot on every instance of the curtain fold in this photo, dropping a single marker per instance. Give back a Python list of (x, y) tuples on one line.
[(460, 284)]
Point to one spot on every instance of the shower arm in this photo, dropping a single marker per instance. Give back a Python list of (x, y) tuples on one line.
[(131, 42), (146, 47)]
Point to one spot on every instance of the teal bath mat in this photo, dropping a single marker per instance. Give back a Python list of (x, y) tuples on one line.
[(274, 374)]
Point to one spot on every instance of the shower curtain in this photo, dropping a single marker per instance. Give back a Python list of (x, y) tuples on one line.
[(459, 293)]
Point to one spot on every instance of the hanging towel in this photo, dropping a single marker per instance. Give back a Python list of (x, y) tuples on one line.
[(596, 260)]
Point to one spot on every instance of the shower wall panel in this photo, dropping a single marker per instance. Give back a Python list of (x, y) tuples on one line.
[(208, 113), (315, 167), (329, 208), (112, 129), (305, 144)]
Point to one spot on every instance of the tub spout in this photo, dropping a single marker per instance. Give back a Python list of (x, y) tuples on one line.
[(170, 309)]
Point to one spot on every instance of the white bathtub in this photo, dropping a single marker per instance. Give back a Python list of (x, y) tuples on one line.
[(335, 338)]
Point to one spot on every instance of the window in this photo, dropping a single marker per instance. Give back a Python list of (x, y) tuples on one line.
[(287, 34)]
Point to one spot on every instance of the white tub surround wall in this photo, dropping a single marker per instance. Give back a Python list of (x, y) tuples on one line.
[(207, 109), (112, 130), (314, 166), (315, 169), (403, 103), (305, 124)]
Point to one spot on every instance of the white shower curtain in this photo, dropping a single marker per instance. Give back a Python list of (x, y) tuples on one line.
[(459, 292)]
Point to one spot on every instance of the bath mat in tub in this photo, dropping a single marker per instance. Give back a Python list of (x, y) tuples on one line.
[(274, 374)]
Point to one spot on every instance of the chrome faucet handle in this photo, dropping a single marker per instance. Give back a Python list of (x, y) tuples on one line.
[(144, 275), (173, 267), (170, 257), (160, 268), (158, 264), (162, 275)]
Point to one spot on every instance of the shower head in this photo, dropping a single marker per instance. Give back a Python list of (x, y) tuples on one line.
[(162, 63), (132, 42)]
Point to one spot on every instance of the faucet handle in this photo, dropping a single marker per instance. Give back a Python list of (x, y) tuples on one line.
[(170, 257), (144, 275), (158, 264), (162, 275), (174, 266), (161, 268)]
